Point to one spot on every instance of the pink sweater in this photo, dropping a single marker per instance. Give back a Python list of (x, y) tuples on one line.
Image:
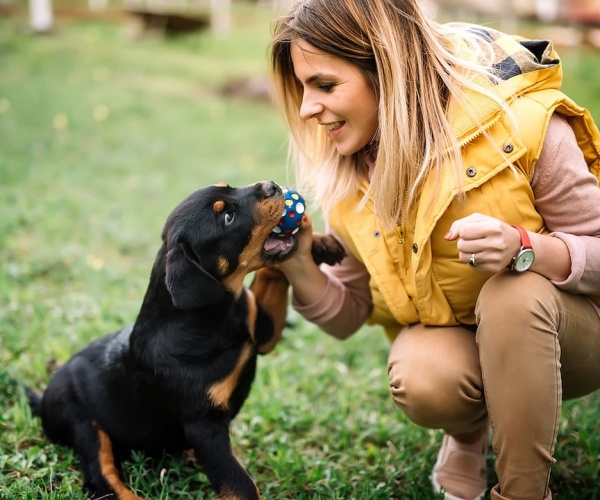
[(568, 198)]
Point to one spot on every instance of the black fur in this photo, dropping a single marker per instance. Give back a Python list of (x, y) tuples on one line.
[(176, 378)]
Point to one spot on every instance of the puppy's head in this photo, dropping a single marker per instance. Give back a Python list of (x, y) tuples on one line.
[(216, 236)]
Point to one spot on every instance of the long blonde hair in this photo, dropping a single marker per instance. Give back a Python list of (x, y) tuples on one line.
[(413, 65)]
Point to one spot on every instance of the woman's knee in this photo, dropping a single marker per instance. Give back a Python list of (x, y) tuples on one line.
[(509, 303), (435, 378), (508, 294)]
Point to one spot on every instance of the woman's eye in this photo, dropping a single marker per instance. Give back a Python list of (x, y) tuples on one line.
[(229, 216), (326, 87)]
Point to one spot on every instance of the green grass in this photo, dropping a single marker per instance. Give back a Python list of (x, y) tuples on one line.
[(100, 137)]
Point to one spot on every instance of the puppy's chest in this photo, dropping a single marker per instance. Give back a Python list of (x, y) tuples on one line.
[(213, 368), (239, 376), (213, 359), (241, 373)]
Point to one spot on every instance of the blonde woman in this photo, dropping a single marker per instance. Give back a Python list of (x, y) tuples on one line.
[(464, 185)]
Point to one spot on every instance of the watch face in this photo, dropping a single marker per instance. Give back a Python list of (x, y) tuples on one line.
[(524, 260)]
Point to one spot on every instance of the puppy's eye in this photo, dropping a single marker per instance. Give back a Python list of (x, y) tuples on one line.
[(229, 217)]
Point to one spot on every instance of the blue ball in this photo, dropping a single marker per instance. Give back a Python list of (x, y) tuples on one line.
[(292, 216)]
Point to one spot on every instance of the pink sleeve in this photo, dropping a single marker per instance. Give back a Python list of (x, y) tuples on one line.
[(346, 303), (568, 198)]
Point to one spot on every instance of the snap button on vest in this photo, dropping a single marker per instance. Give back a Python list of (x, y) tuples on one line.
[(415, 247), (471, 172), (508, 148)]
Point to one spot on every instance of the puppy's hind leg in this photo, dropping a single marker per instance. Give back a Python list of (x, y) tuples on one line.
[(109, 468), (100, 474)]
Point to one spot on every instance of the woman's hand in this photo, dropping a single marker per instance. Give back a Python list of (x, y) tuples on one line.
[(491, 242), (307, 280), (298, 262)]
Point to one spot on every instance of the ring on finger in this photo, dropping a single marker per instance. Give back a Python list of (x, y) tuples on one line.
[(472, 262)]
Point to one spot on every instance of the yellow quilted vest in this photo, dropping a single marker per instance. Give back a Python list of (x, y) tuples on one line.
[(415, 274)]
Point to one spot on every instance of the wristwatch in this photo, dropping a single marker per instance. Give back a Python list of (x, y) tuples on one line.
[(525, 257)]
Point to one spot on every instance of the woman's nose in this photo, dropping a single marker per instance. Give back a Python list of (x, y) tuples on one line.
[(309, 107)]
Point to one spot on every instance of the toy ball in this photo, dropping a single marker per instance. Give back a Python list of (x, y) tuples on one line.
[(292, 215)]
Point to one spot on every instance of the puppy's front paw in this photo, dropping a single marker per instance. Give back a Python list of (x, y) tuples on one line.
[(326, 249)]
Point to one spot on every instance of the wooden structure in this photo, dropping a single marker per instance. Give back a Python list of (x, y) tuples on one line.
[(172, 17)]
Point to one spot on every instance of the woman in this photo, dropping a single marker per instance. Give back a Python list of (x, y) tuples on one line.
[(463, 184)]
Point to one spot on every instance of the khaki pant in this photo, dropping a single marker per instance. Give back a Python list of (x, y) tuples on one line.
[(534, 346)]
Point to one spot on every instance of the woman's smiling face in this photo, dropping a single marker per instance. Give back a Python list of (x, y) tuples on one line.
[(336, 94)]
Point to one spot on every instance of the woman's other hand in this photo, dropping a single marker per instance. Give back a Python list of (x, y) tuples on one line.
[(491, 244)]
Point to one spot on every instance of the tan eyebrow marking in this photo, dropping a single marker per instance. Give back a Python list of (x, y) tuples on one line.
[(218, 206)]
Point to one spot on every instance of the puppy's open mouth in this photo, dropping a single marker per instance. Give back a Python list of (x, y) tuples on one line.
[(279, 249)]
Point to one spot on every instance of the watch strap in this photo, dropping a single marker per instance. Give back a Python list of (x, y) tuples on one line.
[(525, 245), (525, 241)]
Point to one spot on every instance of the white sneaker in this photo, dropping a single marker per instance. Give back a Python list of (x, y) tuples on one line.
[(459, 473)]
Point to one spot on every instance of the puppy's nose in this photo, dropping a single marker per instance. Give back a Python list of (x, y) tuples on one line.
[(271, 188)]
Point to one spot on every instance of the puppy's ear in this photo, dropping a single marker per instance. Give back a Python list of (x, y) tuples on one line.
[(189, 284)]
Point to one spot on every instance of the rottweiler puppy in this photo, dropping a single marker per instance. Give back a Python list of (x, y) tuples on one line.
[(175, 379)]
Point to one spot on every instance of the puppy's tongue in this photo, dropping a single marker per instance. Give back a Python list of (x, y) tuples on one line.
[(278, 244)]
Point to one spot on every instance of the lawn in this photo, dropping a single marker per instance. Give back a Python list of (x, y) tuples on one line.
[(100, 136)]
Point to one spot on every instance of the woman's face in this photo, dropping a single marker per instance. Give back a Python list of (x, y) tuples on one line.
[(337, 95)]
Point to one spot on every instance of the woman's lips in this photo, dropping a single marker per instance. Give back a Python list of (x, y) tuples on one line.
[(334, 127)]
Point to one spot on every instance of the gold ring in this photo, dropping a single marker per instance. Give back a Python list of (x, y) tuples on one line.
[(472, 262)]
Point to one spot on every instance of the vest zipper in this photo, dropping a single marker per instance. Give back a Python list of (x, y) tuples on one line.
[(400, 235)]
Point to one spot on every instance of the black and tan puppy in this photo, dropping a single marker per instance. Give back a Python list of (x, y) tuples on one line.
[(176, 378)]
